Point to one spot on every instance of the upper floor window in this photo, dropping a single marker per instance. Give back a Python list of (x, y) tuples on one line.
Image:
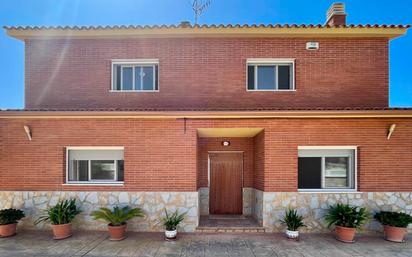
[(135, 75), (90, 165), (327, 168), (270, 74)]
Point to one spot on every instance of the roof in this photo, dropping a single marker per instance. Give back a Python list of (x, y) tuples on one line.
[(186, 29), (199, 113)]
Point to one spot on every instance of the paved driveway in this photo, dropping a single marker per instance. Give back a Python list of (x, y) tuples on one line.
[(31, 243)]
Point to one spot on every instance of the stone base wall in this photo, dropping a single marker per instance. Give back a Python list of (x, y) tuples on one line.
[(248, 200), (314, 206), (153, 204)]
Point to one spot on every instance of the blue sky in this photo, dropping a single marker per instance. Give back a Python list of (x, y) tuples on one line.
[(105, 12)]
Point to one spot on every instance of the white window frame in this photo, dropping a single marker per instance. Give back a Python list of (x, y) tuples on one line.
[(270, 62), (135, 63), (92, 182), (353, 167)]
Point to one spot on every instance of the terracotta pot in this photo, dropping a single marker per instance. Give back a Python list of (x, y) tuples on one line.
[(117, 233), (8, 230), (344, 234), (62, 231), (394, 234)]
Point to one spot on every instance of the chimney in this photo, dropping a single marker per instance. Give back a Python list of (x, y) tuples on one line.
[(336, 15)]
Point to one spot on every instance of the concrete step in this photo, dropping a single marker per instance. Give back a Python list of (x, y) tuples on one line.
[(231, 229)]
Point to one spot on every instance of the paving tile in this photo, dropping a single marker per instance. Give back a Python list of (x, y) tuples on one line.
[(93, 244)]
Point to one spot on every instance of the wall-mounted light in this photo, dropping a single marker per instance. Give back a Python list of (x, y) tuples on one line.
[(28, 132), (225, 143), (390, 131)]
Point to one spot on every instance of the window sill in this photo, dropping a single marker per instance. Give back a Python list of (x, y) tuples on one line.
[(133, 91), (328, 191), (93, 184), (271, 90)]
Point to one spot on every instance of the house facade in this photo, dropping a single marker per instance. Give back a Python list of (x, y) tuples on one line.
[(212, 120)]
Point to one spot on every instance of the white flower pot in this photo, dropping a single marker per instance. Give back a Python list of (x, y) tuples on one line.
[(292, 234), (171, 234)]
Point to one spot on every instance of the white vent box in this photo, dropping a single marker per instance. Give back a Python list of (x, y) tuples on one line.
[(312, 45)]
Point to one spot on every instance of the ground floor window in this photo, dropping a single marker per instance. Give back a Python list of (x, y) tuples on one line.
[(95, 165), (323, 168)]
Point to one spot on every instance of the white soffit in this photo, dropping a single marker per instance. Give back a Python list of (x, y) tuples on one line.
[(228, 132)]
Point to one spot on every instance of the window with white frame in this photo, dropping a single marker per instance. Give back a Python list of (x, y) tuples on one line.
[(270, 74), (327, 168), (137, 75), (95, 165)]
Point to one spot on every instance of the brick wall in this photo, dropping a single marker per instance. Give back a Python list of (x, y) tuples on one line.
[(206, 72), (160, 156)]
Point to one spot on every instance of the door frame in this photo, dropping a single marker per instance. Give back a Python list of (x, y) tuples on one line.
[(209, 169)]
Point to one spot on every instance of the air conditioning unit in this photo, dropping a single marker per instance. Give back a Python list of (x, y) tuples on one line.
[(312, 45)]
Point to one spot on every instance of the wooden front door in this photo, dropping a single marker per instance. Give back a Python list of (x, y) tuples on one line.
[(226, 176)]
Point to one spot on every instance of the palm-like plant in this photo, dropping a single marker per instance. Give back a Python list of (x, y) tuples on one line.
[(10, 216), (171, 221), (293, 220), (63, 212), (394, 219), (346, 216), (118, 216)]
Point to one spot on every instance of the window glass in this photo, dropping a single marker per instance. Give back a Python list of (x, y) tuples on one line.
[(266, 77), (336, 171), (138, 78), (156, 77), (284, 77), (309, 172), (251, 77), (102, 170), (147, 78), (127, 78)]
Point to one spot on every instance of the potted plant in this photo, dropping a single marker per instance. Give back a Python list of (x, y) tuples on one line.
[(346, 220), (394, 225), (8, 221), (117, 219), (171, 221), (60, 216), (293, 222)]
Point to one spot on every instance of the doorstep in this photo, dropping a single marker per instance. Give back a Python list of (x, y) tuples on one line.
[(229, 224)]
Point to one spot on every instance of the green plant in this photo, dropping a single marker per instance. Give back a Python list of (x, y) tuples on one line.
[(171, 221), (63, 212), (118, 216), (393, 219), (10, 216), (293, 220), (346, 216)]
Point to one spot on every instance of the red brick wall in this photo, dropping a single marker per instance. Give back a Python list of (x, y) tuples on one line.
[(236, 144), (259, 160), (159, 156), (207, 72)]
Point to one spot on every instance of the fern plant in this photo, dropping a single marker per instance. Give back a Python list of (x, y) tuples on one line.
[(63, 212), (10, 216), (293, 220), (171, 221), (346, 216), (393, 219), (118, 216)]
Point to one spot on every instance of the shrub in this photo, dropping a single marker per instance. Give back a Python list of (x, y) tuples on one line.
[(10, 216), (293, 220), (346, 216), (394, 219), (173, 220), (62, 213), (118, 216)]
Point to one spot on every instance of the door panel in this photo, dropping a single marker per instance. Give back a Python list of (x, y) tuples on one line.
[(226, 176)]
